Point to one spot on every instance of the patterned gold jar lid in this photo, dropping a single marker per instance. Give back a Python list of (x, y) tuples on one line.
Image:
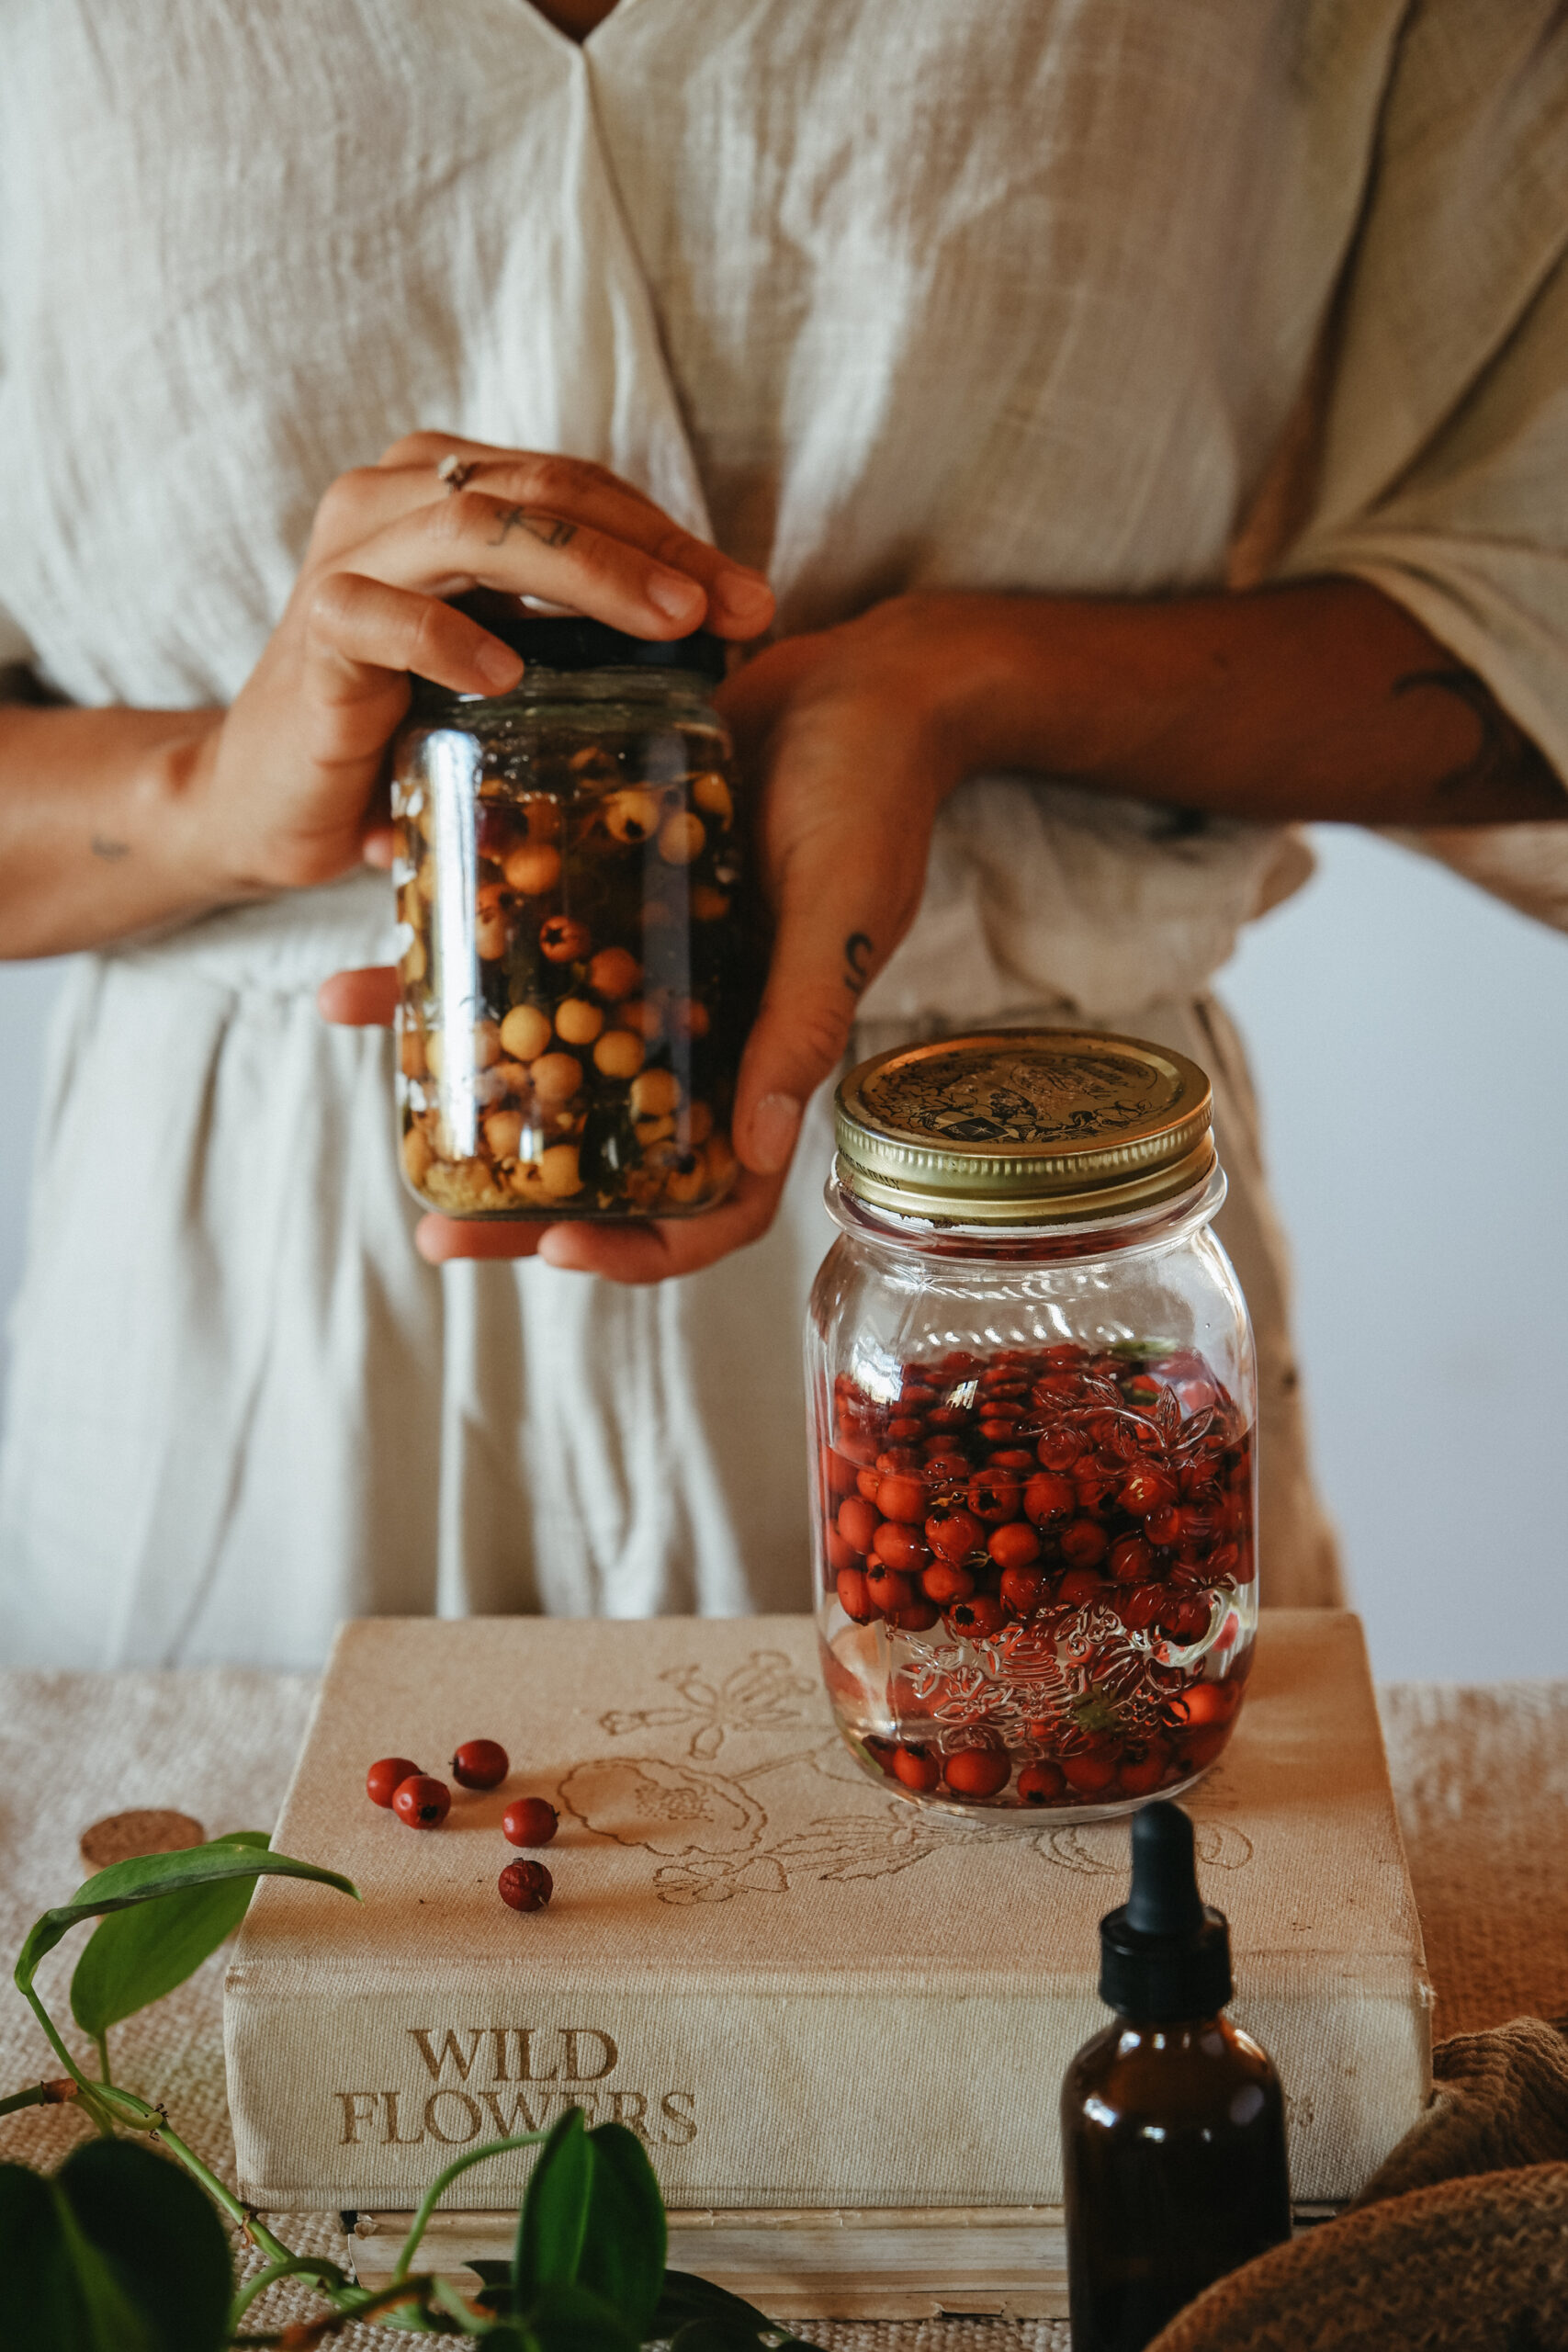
[(1019, 1126)]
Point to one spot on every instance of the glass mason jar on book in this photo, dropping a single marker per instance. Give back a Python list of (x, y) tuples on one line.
[(1032, 1400), (583, 944)]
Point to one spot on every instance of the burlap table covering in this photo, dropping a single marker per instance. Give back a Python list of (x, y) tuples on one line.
[(1481, 1776)]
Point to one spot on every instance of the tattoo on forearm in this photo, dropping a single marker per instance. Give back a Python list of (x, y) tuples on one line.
[(857, 957), (1504, 755), (103, 847), (551, 530)]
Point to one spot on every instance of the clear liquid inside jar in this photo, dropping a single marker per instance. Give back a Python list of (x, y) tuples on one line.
[(1034, 1484), (582, 951)]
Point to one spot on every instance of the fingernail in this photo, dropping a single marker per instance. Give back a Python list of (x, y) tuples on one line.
[(776, 1123), (746, 594), (679, 598), (497, 665)]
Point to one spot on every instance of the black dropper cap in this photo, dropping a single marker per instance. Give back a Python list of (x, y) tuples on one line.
[(573, 641), (1165, 1954)]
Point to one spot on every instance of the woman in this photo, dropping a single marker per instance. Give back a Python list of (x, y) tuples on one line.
[(1150, 427)]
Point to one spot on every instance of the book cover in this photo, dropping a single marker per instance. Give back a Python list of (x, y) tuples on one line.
[(799, 1988)]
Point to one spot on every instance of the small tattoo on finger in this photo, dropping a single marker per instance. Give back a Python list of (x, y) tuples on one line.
[(550, 530), (858, 950)]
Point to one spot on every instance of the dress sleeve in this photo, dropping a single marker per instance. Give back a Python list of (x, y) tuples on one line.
[(1442, 469)]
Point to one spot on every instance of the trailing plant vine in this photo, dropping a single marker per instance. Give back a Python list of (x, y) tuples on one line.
[(122, 2250)]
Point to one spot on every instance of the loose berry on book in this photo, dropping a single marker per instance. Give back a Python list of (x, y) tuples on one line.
[(481, 1764), (387, 1775), (529, 1821), (526, 1886), (421, 1802)]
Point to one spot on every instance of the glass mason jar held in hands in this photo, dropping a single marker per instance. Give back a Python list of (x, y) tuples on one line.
[(583, 949), (1031, 1381)]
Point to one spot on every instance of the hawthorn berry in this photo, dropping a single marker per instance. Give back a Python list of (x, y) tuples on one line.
[(385, 1777), (944, 1583), (854, 1598), (1090, 1775), (917, 1768), (481, 1764), (421, 1802), (857, 1524), (953, 1531), (979, 1616), (1042, 1784), (1016, 1546), (526, 1886), (529, 1821), (977, 1771)]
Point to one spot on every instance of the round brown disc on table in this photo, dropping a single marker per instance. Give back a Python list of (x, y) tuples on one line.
[(121, 1835)]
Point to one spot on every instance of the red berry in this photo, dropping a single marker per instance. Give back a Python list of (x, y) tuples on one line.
[(994, 1498), (423, 1803), (1200, 1747), (977, 1771), (529, 1821), (887, 1588), (481, 1764), (840, 1554), (917, 1768), (1141, 1775), (562, 940), (1139, 1608), (1079, 1586), (1015, 1545), (869, 1482), (384, 1779), (1163, 1524), (1059, 1449), (999, 1416), (978, 1616), (526, 1887), (858, 1523), (1204, 1702), (853, 1599), (838, 1472), (1088, 1774), (1147, 1488), (1083, 1542), (1023, 1589), (1013, 1458), (916, 1617), (1130, 1561), (904, 1428), (943, 1467), (1042, 1784), (897, 1457), (944, 1583), (1048, 1497), (897, 1546), (953, 1531), (903, 1497)]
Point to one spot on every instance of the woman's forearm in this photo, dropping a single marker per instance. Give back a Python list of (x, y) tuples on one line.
[(96, 836), (1323, 700)]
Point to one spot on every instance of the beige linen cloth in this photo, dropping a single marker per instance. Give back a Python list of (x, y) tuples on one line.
[(883, 295)]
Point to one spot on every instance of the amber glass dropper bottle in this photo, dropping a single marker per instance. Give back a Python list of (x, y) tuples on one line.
[(1173, 2128)]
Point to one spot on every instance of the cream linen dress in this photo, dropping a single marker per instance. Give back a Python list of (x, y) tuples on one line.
[(909, 292)]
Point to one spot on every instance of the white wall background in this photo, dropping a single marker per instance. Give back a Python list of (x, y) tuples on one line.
[(1410, 1038)]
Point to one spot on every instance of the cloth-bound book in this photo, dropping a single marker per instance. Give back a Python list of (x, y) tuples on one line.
[(799, 1988)]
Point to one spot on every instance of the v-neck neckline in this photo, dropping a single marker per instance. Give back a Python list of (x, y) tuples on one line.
[(553, 33)]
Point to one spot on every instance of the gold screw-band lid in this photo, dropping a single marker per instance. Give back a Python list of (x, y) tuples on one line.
[(1019, 1126)]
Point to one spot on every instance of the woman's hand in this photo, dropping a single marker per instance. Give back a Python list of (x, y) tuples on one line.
[(113, 820), (285, 789), (848, 737)]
